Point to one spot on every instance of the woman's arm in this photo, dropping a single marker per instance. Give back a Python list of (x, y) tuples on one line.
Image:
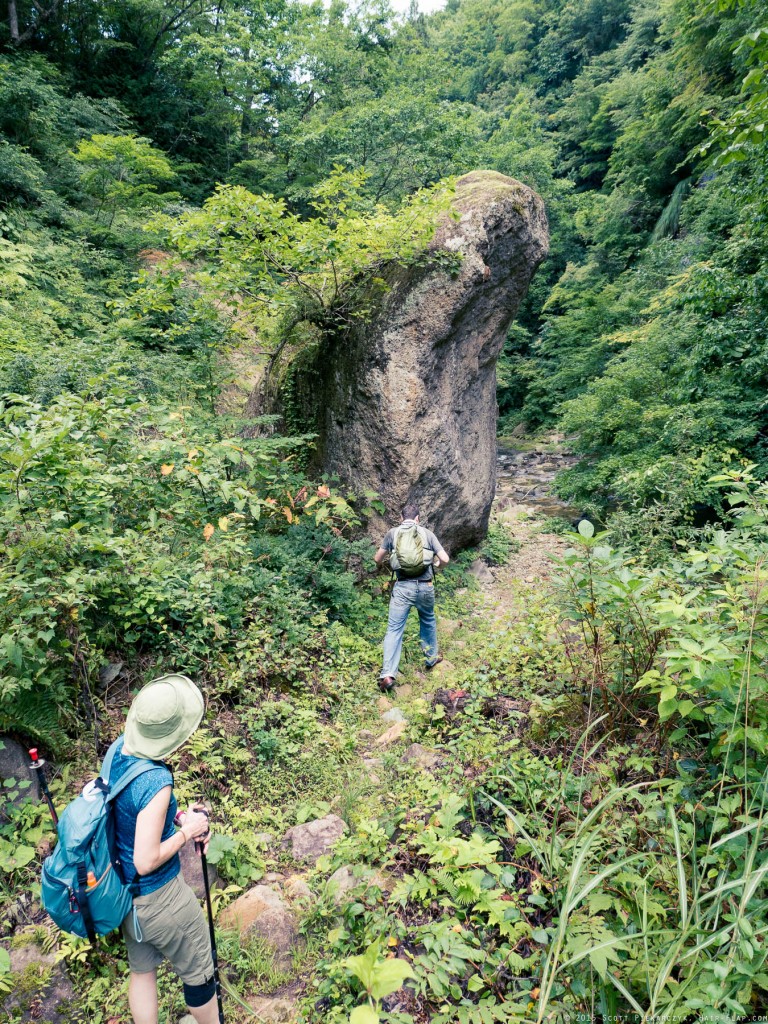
[(149, 852)]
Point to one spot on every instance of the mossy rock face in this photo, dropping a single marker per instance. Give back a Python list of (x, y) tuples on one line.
[(40, 988), (405, 404)]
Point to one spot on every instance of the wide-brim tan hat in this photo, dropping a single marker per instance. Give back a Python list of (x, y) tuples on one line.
[(163, 715)]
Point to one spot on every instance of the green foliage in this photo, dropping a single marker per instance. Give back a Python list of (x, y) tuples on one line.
[(120, 172), (498, 545), (378, 978), (249, 962), (287, 269), (133, 528), (739, 133), (591, 839), (598, 106)]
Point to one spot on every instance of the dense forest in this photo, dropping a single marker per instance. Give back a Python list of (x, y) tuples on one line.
[(189, 186)]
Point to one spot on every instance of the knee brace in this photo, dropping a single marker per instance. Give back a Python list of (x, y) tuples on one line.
[(199, 995)]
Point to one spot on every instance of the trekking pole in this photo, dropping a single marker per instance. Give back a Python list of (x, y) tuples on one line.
[(38, 766), (200, 843)]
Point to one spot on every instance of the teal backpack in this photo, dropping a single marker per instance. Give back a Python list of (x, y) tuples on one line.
[(82, 885), (410, 555)]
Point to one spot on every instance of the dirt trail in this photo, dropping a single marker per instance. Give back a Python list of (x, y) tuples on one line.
[(390, 745), (523, 498)]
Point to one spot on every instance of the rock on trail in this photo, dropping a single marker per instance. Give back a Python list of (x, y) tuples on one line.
[(309, 842), (262, 911)]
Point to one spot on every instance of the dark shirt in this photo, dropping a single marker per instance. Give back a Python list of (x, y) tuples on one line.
[(128, 805), (430, 541)]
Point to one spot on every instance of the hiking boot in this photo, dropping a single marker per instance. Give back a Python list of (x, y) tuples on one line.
[(386, 684), (430, 665)]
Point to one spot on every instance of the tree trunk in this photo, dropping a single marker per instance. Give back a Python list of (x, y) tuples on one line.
[(44, 14), (246, 123), (13, 21)]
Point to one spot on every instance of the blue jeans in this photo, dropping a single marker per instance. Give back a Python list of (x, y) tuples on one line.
[(407, 594)]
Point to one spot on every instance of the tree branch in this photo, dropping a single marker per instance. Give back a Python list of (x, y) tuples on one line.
[(44, 14), (175, 20)]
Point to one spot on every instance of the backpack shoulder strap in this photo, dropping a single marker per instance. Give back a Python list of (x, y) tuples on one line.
[(424, 534), (106, 766), (128, 777), (144, 765)]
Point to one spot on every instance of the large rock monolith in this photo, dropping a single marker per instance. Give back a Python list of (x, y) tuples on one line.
[(405, 404)]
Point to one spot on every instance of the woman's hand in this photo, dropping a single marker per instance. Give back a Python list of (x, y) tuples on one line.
[(194, 825)]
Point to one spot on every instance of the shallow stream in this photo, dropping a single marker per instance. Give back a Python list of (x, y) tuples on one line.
[(525, 475)]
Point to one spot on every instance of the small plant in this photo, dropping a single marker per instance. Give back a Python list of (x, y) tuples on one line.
[(499, 545), (249, 963), (5, 970), (379, 978)]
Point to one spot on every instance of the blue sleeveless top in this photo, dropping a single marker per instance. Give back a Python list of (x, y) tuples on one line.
[(128, 804)]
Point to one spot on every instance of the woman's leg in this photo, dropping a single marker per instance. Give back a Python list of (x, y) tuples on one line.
[(142, 997), (206, 1014)]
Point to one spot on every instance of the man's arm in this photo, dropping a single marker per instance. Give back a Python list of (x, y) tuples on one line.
[(380, 555), (384, 550), (440, 552)]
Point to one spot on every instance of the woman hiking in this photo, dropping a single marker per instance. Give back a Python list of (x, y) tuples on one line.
[(167, 922)]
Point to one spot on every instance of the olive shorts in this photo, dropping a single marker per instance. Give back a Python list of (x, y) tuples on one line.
[(171, 926)]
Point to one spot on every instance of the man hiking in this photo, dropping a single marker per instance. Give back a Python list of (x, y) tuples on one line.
[(167, 922), (412, 551)]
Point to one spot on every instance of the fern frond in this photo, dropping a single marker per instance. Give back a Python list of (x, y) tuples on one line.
[(37, 714), (447, 883), (467, 893)]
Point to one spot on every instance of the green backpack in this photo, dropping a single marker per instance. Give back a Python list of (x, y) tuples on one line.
[(410, 556)]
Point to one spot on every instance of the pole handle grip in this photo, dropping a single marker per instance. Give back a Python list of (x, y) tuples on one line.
[(200, 840), (36, 763)]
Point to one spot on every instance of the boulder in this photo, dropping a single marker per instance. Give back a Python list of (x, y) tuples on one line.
[(297, 888), (392, 735), (392, 716), (262, 911), (340, 882), (442, 668), (479, 569), (404, 402), (416, 754), (109, 672), (14, 764), (274, 1009), (383, 703), (192, 870), (40, 988), (309, 842), (346, 878)]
